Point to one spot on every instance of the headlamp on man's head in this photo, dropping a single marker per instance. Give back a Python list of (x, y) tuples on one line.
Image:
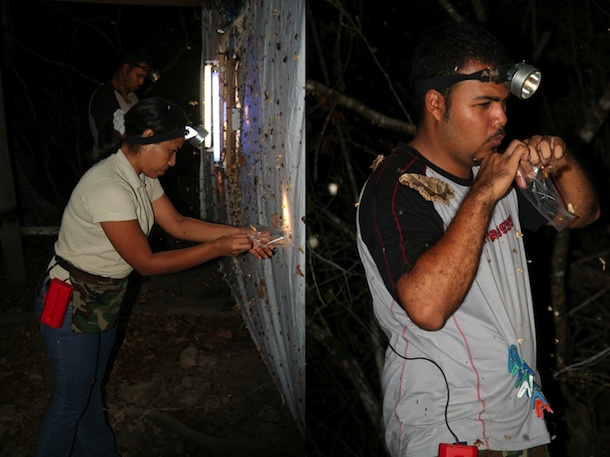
[(522, 79), (153, 74)]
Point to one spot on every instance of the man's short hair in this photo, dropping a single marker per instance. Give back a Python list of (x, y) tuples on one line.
[(447, 48), (134, 56)]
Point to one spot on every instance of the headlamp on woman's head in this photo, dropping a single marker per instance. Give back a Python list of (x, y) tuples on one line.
[(194, 136), (522, 79)]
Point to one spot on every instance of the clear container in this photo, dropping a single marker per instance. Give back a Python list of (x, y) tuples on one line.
[(536, 184), (270, 236)]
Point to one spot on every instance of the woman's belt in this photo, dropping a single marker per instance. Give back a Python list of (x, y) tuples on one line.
[(85, 276)]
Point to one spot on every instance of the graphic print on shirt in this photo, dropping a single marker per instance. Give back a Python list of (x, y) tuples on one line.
[(500, 230), (525, 382)]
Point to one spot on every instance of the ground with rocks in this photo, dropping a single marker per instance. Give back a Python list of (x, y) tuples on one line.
[(187, 379)]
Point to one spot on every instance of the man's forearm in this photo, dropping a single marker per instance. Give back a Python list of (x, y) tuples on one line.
[(577, 191), (441, 277)]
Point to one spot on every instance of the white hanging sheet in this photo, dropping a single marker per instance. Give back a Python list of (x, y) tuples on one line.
[(271, 86)]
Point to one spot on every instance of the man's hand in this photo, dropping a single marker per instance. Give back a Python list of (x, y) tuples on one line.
[(546, 151), (498, 171), (571, 180)]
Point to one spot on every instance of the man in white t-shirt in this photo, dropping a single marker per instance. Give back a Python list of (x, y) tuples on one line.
[(440, 226)]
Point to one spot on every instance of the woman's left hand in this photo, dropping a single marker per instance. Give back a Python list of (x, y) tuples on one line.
[(260, 247), (261, 251)]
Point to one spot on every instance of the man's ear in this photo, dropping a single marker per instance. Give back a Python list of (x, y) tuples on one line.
[(435, 104), (125, 69)]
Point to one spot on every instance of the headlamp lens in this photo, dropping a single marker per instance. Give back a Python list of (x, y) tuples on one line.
[(154, 75), (195, 136), (524, 80)]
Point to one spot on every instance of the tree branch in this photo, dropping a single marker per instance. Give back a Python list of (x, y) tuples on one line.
[(479, 10), (451, 10), (374, 116), (354, 370)]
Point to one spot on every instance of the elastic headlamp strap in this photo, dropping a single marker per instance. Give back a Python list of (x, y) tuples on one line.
[(157, 138), (443, 82)]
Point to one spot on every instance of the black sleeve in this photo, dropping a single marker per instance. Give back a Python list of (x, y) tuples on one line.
[(397, 224), (102, 106)]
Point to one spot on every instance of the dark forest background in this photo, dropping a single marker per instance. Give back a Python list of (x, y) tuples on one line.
[(55, 54), (359, 105)]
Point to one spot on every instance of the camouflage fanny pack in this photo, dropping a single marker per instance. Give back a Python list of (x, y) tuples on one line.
[(96, 305), (96, 300)]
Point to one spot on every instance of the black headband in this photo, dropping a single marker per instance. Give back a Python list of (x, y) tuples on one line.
[(443, 82), (157, 138)]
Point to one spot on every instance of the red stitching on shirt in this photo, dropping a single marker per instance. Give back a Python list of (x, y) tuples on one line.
[(476, 372)]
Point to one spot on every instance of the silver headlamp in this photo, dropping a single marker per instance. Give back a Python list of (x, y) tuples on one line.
[(522, 79), (195, 136), (154, 75)]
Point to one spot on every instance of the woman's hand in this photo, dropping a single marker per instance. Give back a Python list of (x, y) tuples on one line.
[(237, 244), (261, 247), (232, 245)]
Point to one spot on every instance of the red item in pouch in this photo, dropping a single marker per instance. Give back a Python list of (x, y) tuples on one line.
[(457, 450), (55, 303)]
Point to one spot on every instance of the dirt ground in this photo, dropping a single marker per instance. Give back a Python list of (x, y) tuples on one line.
[(187, 379)]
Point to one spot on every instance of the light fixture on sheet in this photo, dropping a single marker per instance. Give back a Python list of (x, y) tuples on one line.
[(212, 113)]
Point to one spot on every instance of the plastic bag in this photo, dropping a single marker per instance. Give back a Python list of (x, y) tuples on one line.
[(538, 187), (270, 236)]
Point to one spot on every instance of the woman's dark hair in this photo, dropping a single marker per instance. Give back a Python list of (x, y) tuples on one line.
[(447, 48), (156, 113)]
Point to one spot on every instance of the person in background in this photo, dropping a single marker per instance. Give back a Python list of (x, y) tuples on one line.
[(102, 238), (440, 233), (117, 93)]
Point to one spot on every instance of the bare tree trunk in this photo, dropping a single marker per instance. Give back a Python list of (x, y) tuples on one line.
[(353, 369), (10, 236), (451, 10), (597, 117), (580, 421)]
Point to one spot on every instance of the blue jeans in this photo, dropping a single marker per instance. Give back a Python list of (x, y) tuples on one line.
[(75, 422)]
